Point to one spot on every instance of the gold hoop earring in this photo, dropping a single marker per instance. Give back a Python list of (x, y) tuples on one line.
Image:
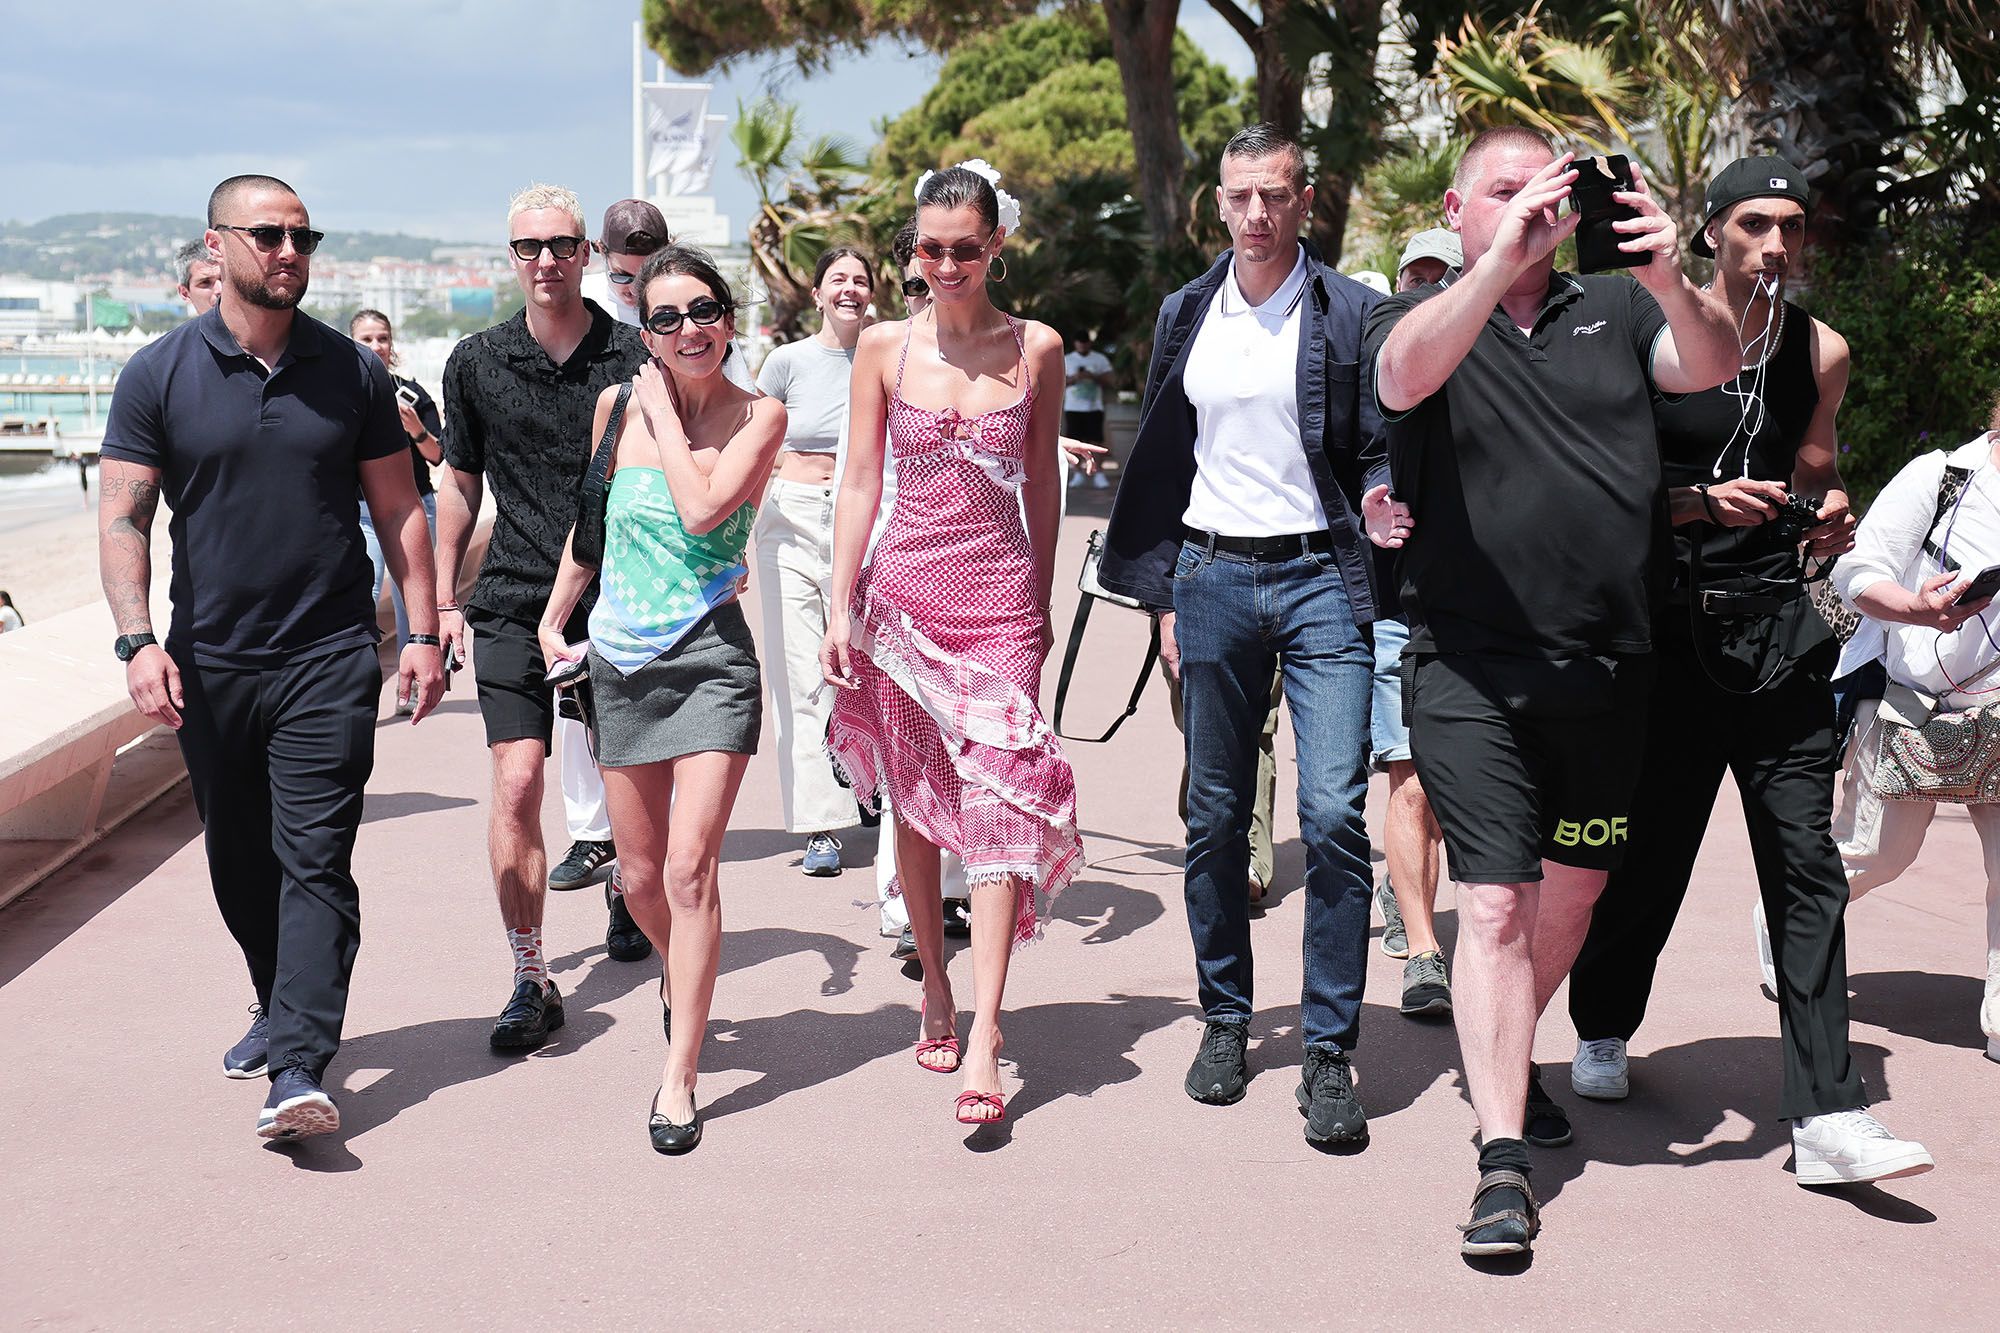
[(997, 270)]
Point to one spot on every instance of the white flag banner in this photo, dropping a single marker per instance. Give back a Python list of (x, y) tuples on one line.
[(697, 178), (676, 115)]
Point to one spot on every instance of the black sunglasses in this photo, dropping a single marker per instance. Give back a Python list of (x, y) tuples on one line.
[(965, 252), (528, 249), (268, 238), (915, 287), (621, 278), (703, 310)]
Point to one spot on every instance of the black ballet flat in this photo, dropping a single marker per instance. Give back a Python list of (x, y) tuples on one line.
[(669, 1138)]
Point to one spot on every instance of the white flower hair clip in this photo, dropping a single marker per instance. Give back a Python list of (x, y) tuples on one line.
[(1010, 207)]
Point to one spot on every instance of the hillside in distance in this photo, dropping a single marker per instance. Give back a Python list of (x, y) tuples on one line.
[(74, 245)]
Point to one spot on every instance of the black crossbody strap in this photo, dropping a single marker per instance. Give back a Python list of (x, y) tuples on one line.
[(1069, 668), (600, 462)]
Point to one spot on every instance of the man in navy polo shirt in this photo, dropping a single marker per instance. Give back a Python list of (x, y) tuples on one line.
[(257, 423)]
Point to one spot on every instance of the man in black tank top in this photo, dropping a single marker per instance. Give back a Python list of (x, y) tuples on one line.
[(1743, 664)]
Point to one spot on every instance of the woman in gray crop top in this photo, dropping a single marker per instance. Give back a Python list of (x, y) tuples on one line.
[(794, 540)]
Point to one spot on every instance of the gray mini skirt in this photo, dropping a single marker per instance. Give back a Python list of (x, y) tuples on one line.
[(705, 693)]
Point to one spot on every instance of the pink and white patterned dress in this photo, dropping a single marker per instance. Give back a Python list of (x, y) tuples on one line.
[(947, 650)]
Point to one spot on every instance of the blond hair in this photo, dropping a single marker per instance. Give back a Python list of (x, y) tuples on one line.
[(547, 196)]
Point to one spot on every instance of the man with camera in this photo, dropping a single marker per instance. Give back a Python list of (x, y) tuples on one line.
[(1521, 440), (1743, 664), (518, 403), (1239, 518), (263, 429)]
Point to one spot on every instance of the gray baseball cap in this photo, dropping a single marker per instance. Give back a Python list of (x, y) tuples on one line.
[(1437, 243)]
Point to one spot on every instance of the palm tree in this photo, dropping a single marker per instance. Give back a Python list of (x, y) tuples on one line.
[(806, 194)]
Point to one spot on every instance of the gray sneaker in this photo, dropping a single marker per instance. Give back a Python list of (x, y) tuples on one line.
[(1395, 939), (1426, 986)]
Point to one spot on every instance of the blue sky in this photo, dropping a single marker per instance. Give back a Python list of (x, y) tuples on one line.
[(419, 116)]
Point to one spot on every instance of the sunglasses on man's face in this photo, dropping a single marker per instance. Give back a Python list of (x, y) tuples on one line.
[(914, 287), (528, 249), (268, 238), (703, 310), (622, 279), (965, 252)]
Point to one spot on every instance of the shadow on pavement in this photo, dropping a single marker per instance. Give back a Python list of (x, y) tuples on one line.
[(397, 804), (1937, 1007), (1114, 910)]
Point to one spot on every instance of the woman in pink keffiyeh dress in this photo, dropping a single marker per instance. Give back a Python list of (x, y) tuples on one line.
[(937, 648)]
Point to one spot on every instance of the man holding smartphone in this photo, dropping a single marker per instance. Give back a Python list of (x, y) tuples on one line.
[(1521, 440), (1744, 665), (518, 403)]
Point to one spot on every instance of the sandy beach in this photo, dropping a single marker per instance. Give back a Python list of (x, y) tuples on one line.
[(48, 543)]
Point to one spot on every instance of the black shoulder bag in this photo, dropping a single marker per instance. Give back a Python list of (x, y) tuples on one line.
[(587, 542), (1094, 591)]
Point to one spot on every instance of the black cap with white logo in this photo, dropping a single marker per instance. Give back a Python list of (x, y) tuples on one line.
[(1748, 178)]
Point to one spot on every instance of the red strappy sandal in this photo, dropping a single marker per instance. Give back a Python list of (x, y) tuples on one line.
[(972, 1101), (932, 1045)]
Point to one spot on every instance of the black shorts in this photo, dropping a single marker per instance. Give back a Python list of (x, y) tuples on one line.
[(1526, 759), (1085, 426), (507, 663)]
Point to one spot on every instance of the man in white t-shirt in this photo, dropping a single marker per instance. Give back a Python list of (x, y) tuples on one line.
[(1086, 375), (1238, 517)]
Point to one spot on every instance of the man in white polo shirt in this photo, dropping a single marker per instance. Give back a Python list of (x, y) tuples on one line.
[(1238, 519)]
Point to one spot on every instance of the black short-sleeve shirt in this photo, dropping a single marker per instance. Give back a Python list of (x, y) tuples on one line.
[(1534, 478), (261, 474), (523, 421)]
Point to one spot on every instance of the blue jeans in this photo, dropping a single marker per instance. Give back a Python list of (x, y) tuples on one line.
[(1235, 619), (381, 564)]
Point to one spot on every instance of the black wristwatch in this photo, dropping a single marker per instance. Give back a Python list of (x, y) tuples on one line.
[(127, 646)]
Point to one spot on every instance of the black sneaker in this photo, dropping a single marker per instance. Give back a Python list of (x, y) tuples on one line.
[(1326, 1098), (906, 945), (298, 1108), (1219, 1070), (250, 1057), (1547, 1124), (531, 1015), (1426, 986), (957, 919), (581, 865), (623, 939)]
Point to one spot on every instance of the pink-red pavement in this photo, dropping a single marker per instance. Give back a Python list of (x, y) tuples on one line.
[(834, 1190)]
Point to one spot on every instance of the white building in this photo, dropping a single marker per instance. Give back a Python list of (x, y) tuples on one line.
[(30, 307)]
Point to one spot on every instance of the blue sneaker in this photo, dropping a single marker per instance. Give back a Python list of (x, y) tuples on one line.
[(298, 1108), (822, 854), (249, 1057)]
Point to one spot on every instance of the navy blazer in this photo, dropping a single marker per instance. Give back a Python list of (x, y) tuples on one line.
[(1343, 434)]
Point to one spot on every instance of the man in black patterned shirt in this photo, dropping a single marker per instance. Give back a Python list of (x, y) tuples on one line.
[(518, 402)]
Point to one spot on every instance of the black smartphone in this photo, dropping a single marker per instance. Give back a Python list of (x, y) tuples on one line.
[(1597, 179), (1981, 586)]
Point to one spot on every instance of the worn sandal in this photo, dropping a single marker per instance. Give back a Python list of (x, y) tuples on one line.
[(1508, 1231), (974, 1101)]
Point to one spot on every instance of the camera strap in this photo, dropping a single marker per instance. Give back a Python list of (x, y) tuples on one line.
[(1092, 591)]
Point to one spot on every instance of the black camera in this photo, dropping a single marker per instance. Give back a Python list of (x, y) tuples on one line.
[(1798, 517)]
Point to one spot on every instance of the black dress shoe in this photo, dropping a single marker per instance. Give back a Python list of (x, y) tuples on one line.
[(580, 867), (623, 939), (668, 1137), (906, 945), (957, 919), (530, 1016)]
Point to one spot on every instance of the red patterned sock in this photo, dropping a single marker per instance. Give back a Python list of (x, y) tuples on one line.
[(526, 942)]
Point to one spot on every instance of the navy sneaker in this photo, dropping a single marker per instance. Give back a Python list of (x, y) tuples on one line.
[(250, 1057), (581, 865), (532, 1013), (298, 1108), (822, 855)]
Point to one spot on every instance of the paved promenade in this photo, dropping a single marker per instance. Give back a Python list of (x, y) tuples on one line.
[(833, 1189)]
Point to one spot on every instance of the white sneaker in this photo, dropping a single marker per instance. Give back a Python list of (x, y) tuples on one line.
[(1598, 1070), (1765, 965), (1849, 1147)]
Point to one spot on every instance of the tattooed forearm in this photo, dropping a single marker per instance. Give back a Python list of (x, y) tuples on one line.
[(126, 505)]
